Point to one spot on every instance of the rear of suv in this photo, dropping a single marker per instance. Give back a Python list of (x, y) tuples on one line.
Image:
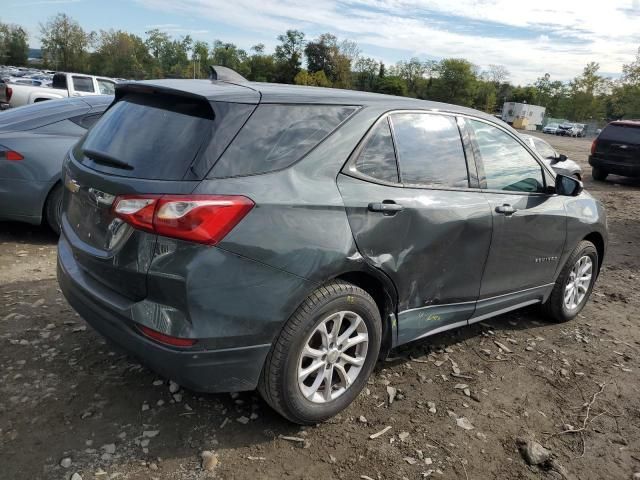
[(236, 235), (616, 150)]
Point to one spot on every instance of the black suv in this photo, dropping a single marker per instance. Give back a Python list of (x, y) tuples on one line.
[(616, 150), (236, 235)]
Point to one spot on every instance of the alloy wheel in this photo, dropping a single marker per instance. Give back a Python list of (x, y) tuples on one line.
[(333, 356), (578, 283)]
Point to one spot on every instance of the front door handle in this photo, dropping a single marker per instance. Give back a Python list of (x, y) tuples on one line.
[(506, 209), (388, 207)]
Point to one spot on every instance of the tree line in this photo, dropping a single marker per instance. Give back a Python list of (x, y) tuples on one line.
[(324, 61)]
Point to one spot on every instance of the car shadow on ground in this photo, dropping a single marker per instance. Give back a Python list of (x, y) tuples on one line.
[(24, 233)]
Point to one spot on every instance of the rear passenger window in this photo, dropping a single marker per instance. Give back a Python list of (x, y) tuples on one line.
[(83, 84), (276, 136), (378, 159), (430, 150)]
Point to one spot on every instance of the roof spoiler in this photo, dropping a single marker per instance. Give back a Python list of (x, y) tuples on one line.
[(217, 72)]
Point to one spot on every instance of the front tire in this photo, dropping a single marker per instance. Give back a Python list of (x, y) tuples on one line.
[(324, 354), (53, 208), (599, 174), (574, 284)]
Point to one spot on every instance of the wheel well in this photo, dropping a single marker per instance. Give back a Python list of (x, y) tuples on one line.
[(598, 241), (46, 199), (385, 300)]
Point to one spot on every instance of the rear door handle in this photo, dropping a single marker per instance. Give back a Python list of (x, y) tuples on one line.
[(506, 209), (388, 207)]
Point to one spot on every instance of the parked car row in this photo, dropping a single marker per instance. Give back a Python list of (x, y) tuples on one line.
[(565, 129)]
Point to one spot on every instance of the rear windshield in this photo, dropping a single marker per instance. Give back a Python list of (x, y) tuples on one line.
[(147, 136), (621, 133), (276, 136)]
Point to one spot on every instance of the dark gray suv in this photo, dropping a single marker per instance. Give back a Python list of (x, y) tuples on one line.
[(236, 235)]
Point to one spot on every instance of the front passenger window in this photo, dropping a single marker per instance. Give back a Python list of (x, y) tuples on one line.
[(507, 164)]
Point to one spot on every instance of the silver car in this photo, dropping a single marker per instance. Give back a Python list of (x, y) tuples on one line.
[(557, 161), (550, 128), (33, 142)]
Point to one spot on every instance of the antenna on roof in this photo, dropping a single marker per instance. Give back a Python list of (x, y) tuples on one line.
[(224, 74)]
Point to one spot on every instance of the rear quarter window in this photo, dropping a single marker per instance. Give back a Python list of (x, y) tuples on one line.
[(276, 136)]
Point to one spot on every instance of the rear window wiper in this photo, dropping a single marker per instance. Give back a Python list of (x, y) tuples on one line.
[(106, 159)]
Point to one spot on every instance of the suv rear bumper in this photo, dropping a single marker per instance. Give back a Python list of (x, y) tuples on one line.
[(624, 169), (195, 368)]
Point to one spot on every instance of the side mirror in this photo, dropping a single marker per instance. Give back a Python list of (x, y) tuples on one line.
[(568, 186)]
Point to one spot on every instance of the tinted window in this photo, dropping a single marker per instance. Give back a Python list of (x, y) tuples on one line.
[(378, 159), (83, 84), (159, 137), (276, 136), (544, 149), (106, 87), (430, 150), (621, 133), (507, 164)]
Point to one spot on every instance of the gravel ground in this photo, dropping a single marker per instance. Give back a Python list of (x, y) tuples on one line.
[(71, 407)]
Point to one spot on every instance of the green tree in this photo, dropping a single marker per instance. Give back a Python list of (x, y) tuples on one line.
[(200, 59), (486, 96), (65, 44), (326, 55), (315, 79), (587, 94), (14, 45), (230, 56), (624, 101), (392, 86), (413, 72), (261, 65), (288, 56), (366, 74), (456, 82), (631, 71), (121, 54)]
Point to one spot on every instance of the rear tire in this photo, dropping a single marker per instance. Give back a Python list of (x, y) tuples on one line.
[(599, 174), (556, 307), (53, 208), (284, 383)]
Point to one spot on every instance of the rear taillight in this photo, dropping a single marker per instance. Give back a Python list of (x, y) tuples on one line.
[(197, 218), (9, 154), (167, 339), (594, 144), (8, 93)]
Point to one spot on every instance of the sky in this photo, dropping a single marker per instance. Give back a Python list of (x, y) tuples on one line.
[(529, 38)]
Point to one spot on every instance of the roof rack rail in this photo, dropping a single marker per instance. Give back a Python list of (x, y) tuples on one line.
[(217, 72)]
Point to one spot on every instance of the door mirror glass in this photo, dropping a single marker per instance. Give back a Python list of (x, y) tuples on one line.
[(561, 158), (569, 186)]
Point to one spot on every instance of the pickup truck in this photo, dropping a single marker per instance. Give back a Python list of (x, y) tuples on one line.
[(5, 95), (64, 85)]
